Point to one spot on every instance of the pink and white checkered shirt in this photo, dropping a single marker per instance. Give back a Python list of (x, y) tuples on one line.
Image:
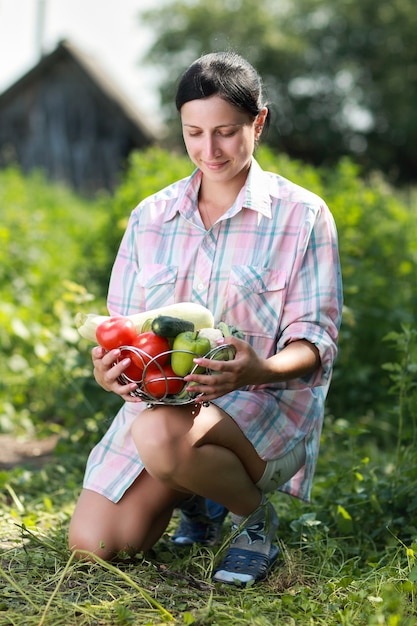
[(269, 266)]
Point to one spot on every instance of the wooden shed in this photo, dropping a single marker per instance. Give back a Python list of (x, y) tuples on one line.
[(68, 117)]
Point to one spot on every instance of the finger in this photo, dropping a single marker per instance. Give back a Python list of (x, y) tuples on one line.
[(214, 385), (111, 357), (127, 391), (131, 396), (118, 367), (213, 365), (97, 353), (111, 381)]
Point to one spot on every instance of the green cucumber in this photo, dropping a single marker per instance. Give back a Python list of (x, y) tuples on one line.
[(166, 326)]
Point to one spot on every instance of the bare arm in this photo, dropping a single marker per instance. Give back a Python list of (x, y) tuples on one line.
[(296, 360)]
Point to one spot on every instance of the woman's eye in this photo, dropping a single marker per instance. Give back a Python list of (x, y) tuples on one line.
[(219, 133)]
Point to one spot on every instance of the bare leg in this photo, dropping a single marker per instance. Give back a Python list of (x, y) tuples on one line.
[(134, 524), (206, 454)]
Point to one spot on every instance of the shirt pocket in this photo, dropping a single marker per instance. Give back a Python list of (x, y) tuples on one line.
[(157, 285), (255, 299)]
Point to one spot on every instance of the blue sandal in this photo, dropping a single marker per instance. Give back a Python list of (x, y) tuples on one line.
[(243, 567), (201, 522), (252, 552)]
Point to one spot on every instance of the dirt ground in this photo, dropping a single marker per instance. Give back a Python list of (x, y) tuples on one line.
[(14, 452)]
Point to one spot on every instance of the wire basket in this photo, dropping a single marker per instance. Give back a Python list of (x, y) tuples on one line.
[(165, 396)]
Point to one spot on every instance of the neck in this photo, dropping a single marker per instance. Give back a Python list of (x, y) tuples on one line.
[(215, 198), (211, 209), (220, 195)]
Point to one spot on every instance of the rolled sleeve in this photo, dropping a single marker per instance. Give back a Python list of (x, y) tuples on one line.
[(314, 297)]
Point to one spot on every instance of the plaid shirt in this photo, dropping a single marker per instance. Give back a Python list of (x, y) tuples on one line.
[(269, 266)]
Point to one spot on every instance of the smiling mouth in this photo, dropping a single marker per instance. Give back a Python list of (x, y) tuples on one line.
[(215, 166)]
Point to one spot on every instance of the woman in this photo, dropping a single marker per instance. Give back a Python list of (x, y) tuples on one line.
[(261, 253)]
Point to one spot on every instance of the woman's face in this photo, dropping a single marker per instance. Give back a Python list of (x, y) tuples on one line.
[(219, 138)]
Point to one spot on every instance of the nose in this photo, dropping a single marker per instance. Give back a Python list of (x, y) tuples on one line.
[(211, 147)]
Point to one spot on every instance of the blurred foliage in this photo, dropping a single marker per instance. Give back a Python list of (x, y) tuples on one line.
[(375, 499), (49, 254), (341, 77), (45, 236), (57, 250)]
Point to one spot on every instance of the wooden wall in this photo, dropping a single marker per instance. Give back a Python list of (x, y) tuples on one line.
[(61, 121)]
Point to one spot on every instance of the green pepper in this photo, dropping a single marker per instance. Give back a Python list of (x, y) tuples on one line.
[(186, 347)]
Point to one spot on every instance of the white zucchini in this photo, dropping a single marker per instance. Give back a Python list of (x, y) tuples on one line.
[(201, 317)]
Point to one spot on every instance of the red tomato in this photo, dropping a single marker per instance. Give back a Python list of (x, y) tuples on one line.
[(115, 332), (162, 382), (150, 346)]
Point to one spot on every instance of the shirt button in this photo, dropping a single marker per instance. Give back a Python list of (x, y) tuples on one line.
[(200, 287)]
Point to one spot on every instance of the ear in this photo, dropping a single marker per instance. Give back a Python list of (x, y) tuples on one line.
[(260, 122)]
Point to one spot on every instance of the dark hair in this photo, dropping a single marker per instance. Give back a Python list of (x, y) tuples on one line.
[(225, 74)]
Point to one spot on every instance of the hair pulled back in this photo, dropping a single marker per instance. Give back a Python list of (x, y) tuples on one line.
[(224, 74)]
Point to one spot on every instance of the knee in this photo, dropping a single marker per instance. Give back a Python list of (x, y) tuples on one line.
[(82, 545), (162, 446), (86, 545)]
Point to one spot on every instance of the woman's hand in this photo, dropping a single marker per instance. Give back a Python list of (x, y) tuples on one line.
[(297, 359), (107, 372), (246, 369)]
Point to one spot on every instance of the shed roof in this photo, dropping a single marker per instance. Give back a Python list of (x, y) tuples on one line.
[(97, 75)]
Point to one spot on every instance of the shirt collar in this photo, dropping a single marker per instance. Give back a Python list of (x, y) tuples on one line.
[(255, 194), (186, 201)]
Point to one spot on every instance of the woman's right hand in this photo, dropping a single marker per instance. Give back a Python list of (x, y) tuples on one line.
[(107, 371)]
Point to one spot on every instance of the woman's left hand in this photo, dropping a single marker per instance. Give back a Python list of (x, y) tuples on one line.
[(225, 376)]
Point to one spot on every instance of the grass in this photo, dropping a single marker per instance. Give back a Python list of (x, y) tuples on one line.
[(348, 559)]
